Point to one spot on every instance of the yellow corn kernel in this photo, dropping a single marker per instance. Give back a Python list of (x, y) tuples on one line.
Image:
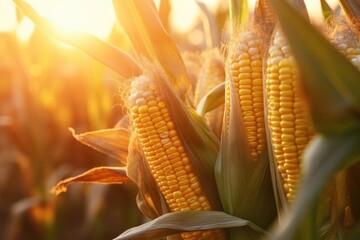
[(287, 116), (245, 67), (170, 167)]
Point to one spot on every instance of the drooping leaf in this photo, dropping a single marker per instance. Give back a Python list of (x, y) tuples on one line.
[(143, 26), (113, 142), (114, 58), (332, 91), (102, 175), (213, 99), (184, 221), (323, 158)]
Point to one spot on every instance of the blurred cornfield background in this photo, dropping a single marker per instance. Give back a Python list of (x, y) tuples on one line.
[(45, 88)]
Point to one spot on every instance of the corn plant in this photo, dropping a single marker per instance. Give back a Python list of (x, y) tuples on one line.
[(285, 165)]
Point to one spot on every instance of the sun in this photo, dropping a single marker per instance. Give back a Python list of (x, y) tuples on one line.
[(95, 17)]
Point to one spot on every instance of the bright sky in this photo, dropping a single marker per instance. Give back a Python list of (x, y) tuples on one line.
[(96, 16)]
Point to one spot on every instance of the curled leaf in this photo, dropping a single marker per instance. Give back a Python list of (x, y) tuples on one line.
[(213, 99), (102, 175), (113, 142)]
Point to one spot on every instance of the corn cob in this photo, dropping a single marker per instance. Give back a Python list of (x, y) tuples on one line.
[(287, 117), (347, 42), (211, 74), (166, 156), (245, 63), (192, 61)]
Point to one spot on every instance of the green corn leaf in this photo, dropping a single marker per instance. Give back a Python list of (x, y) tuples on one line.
[(333, 92), (211, 100), (141, 22), (112, 57), (185, 221), (323, 158)]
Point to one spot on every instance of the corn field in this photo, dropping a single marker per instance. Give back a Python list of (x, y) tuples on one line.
[(251, 133)]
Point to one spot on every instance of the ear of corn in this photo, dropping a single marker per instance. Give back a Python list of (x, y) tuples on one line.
[(287, 116), (211, 74), (192, 61), (242, 168), (346, 41), (167, 157), (347, 194), (245, 63), (263, 13)]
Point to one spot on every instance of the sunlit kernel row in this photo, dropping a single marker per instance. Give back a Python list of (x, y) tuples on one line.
[(287, 116), (165, 155), (246, 75)]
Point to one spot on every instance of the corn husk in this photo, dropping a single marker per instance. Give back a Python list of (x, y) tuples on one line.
[(334, 106), (143, 26)]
